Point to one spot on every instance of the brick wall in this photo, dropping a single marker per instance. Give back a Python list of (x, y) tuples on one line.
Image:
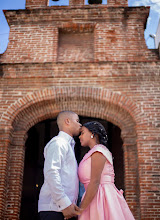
[(116, 3), (36, 4), (76, 2), (116, 34), (44, 72)]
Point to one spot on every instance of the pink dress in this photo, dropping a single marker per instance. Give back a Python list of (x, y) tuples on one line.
[(108, 203)]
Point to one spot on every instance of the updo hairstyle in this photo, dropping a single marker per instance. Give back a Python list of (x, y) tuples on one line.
[(97, 129)]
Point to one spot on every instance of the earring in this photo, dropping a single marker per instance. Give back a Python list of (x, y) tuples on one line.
[(91, 136)]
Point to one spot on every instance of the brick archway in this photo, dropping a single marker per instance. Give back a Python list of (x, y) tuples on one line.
[(44, 104)]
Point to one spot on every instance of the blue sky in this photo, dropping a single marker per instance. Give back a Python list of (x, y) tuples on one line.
[(152, 22)]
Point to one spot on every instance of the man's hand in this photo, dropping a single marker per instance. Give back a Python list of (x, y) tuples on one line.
[(79, 210), (70, 211)]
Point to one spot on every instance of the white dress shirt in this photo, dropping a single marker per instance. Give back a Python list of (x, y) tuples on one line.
[(61, 184)]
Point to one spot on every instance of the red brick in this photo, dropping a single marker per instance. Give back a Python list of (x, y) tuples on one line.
[(92, 60)]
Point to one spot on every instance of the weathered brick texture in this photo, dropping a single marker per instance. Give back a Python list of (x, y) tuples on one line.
[(76, 2), (36, 4), (117, 3), (116, 34), (88, 59)]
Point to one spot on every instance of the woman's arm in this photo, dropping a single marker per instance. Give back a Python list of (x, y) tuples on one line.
[(97, 164)]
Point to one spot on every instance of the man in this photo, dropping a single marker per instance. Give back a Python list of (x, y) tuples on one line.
[(58, 195)]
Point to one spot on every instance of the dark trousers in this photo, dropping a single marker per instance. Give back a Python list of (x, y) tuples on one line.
[(51, 215)]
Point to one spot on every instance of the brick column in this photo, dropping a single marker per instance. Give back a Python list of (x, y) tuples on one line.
[(15, 175), (36, 3), (132, 187), (113, 3), (76, 2), (5, 140)]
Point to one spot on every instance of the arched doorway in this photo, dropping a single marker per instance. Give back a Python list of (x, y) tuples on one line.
[(87, 102), (38, 136)]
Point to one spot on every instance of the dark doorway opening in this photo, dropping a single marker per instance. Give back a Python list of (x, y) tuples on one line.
[(33, 179)]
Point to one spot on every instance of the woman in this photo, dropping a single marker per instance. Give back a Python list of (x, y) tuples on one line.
[(102, 200)]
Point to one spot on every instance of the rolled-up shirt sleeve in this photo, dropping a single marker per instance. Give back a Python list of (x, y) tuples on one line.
[(54, 157)]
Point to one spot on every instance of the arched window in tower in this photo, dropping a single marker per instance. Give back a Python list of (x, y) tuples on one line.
[(95, 2), (90, 2), (58, 2)]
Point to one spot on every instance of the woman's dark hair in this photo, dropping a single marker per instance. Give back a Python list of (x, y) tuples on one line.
[(97, 129)]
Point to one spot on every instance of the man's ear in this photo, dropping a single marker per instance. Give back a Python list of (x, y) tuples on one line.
[(67, 121)]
